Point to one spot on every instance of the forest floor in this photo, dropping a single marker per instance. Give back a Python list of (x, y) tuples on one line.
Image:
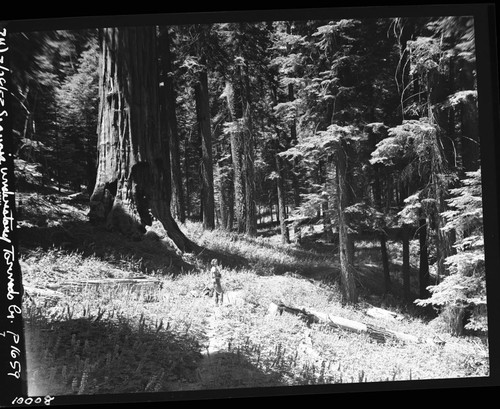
[(171, 337)]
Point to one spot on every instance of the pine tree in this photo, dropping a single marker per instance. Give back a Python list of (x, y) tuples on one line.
[(49, 130), (246, 44), (77, 100), (331, 146)]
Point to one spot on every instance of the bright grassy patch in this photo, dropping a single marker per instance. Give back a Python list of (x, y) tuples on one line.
[(110, 340)]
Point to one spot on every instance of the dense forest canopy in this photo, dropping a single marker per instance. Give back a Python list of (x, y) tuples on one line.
[(366, 128)]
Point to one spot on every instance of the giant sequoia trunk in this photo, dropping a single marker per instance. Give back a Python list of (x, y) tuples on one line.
[(133, 176)]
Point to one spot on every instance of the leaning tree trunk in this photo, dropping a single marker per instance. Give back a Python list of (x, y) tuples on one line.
[(133, 176)]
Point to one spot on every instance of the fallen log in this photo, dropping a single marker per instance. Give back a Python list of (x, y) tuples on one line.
[(136, 284), (42, 292), (378, 333), (376, 312)]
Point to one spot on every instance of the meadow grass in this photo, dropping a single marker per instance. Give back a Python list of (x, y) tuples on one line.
[(114, 340)]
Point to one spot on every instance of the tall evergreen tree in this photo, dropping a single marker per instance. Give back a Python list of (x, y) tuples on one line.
[(246, 44), (169, 96)]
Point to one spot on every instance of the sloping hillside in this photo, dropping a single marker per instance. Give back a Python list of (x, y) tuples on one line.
[(102, 337)]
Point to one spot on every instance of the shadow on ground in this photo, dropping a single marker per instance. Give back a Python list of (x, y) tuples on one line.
[(48, 219), (148, 255), (227, 260), (227, 369), (60, 220), (85, 357), (82, 356)]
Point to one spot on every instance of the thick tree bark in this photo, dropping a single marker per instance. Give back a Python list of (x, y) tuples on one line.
[(239, 185), (347, 274), (226, 201), (177, 204), (250, 219), (242, 153), (133, 178), (207, 177), (236, 140), (248, 157)]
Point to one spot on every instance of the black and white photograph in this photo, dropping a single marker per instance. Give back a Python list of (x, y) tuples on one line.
[(203, 205)]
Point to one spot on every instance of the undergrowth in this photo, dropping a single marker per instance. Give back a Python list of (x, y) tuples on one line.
[(116, 340)]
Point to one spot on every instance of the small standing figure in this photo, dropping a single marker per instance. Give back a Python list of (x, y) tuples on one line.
[(216, 276)]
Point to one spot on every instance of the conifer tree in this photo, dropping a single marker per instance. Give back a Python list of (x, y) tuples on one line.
[(464, 288)]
